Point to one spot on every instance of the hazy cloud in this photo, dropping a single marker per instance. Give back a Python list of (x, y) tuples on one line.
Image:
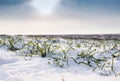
[(88, 7), (12, 2), (81, 3), (70, 8), (70, 16), (15, 8)]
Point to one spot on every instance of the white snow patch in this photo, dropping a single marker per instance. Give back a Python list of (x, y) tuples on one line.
[(14, 68)]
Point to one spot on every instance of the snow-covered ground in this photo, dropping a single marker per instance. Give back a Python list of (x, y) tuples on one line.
[(15, 68)]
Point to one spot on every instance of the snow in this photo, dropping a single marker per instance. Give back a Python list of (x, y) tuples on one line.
[(15, 68)]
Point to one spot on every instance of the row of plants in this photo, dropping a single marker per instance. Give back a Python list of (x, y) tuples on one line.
[(100, 55)]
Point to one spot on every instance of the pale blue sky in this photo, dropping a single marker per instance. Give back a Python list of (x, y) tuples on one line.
[(60, 16), (48, 7)]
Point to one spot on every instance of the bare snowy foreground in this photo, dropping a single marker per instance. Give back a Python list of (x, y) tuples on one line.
[(58, 59)]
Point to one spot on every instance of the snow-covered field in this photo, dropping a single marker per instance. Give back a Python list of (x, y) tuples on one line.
[(15, 66)]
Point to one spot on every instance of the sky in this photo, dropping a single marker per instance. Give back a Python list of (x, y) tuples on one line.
[(59, 17)]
